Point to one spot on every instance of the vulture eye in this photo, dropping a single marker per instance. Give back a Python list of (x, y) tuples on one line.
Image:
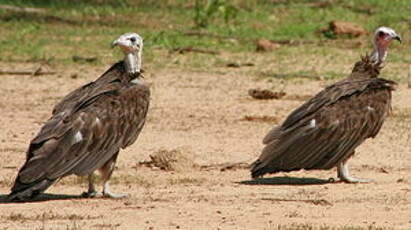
[(132, 39), (381, 34)]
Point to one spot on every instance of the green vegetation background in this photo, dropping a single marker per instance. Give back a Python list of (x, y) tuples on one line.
[(86, 28)]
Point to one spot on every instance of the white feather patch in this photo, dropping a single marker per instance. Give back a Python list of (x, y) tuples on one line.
[(312, 123), (141, 124), (136, 81), (370, 108), (78, 137)]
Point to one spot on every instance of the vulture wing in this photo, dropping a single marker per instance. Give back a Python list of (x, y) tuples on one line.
[(103, 83), (87, 128), (325, 130)]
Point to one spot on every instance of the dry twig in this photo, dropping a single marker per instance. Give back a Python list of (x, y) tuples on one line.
[(22, 9), (225, 166), (36, 72), (265, 94), (183, 50)]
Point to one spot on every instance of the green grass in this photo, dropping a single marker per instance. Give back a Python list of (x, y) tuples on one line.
[(86, 28)]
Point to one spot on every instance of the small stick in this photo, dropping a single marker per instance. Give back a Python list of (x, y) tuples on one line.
[(36, 72), (226, 166), (182, 50), (22, 9)]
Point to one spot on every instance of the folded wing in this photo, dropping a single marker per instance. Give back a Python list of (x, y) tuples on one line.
[(325, 130)]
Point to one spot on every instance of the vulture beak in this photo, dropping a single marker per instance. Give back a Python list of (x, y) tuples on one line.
[(398, 38), (114, 43)]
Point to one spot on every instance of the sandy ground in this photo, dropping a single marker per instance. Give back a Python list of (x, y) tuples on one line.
[(202, 116)]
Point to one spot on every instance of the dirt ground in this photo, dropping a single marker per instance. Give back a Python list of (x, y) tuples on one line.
[(202, 115)]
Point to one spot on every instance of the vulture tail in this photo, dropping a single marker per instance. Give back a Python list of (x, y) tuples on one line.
[(22, 192), (258, 169)]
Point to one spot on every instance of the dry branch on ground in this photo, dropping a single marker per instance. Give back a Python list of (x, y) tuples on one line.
[(183, 50), (22, 9), (36, 72), (265, 94)]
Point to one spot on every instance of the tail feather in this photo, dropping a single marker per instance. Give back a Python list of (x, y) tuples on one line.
[(258, 169), (21, 191)]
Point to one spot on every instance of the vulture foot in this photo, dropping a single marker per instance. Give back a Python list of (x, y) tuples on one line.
[(106, 172), (108, 194), (105, 194), (350, 179), (91, 193), (344, 175)]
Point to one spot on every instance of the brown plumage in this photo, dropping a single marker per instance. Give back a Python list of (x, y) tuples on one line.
[(86, 131), (325, 131)]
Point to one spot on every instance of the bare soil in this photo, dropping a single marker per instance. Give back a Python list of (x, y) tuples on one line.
[(206, 117)]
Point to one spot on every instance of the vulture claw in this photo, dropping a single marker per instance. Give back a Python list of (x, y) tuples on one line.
[(115, 195), (108, 194), (350, 179), (344, 175)]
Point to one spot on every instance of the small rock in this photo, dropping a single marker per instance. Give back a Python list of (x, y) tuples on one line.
[(233, 64), (74, 76), (265, 45), (346, 28), (127, 203), (383, 170)]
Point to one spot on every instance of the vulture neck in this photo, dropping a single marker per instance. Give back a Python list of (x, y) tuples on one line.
[(379, 54), (133, 63), (370, 66)]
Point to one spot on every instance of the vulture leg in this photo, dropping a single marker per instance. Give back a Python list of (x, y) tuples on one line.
[(92, 192), (344, 175), (106, 172)]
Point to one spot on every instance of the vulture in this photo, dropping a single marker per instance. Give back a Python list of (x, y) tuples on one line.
[(325, 131), (88, 127)]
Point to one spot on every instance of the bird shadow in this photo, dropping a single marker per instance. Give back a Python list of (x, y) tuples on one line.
[(40, 198), (286, 181)]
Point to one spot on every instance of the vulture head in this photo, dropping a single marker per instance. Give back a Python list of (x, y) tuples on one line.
[(132, 46), (382, 38), (129, 43)]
